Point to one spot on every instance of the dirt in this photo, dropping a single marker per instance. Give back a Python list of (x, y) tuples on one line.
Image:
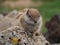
[(21, 3)]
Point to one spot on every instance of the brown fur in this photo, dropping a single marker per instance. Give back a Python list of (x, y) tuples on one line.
[(35, 27), (30, 28)]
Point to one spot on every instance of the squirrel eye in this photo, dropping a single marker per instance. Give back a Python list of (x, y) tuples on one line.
[(29, 15)]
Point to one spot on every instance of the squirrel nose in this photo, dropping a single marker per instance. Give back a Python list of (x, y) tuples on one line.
[(35, 21)]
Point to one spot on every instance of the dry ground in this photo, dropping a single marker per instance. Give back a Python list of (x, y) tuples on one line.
[(22, 3)]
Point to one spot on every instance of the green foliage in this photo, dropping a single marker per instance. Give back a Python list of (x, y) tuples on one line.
[(48, 10), (8, 9), (50, 0), (5, 9), (2, 1)]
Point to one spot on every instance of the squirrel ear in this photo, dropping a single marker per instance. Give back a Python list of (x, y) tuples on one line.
[(27, 11)]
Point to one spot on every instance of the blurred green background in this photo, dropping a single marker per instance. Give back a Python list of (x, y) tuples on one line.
[(48, 9)]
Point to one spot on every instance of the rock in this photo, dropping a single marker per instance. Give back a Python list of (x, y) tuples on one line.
[(12, 33), (56, 44), (4, 24), (1, 17), (53, 26), (16, 35), (40, 40), (12, 14)]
